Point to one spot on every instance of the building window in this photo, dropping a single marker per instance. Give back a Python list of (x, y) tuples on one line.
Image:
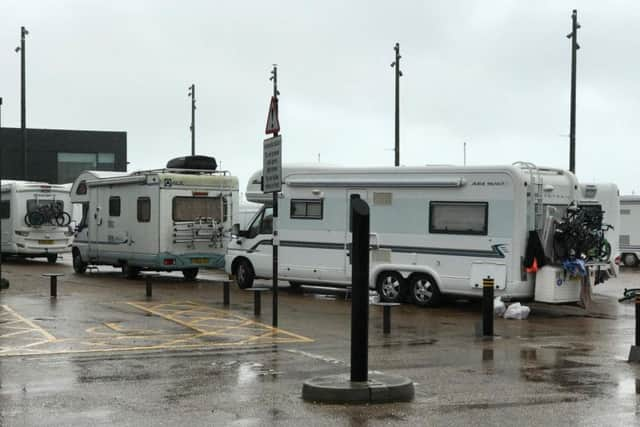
[(70, 165), (5, 209), (192, 208), (144, 209), (306, 209), (458, 218), (114, 206)]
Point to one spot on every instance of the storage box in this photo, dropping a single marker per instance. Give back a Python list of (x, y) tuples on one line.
[(554, 286)]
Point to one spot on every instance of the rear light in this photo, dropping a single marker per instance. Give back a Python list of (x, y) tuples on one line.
[(22, 233), (200, 193), (169, 261), (617, 260)]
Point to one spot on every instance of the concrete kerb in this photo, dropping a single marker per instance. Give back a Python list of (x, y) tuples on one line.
[(380, 388)]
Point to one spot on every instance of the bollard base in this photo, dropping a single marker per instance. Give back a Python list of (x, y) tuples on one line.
[(634, 354), (4, 283), (480, 333), (339, 389)]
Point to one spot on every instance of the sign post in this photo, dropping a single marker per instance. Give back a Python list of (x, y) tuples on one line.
[(272, 179)]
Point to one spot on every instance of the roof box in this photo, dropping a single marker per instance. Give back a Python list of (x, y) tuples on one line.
[(193, 162)]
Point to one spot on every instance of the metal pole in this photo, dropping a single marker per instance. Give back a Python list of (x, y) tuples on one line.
[(572, 124), (23, 100), (386, 319), (257, 302), (225, 293), (487, 306), (359, 212), (398, 74), (192, 94), (465, 154), (54, 286), (149, 287), (274, 310)]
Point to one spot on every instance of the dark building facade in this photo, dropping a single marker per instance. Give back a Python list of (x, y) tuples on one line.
[(57, 156)]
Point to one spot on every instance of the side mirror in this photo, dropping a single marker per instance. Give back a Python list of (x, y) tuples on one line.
[(235, 230)]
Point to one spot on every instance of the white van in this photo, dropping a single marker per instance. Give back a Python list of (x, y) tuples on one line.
[(35, 219), (163, 220), (434, 230)]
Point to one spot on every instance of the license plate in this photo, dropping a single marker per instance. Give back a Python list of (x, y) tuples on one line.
[(45, 242), (200, 260)]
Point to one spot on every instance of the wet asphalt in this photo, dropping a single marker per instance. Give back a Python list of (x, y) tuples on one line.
[(101, 353)]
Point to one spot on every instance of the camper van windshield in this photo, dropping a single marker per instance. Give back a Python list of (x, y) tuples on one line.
[(34, 204), (191, 208)]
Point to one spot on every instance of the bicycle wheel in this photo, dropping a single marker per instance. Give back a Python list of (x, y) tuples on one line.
[(605, 251), (63, 219), (34, 218)]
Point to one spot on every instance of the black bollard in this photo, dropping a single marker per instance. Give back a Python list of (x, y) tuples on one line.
[(359, 214), (386, 319), (638, 320), (257, 303), (487, 306), (54, 286), (225, 293), (149, 286)]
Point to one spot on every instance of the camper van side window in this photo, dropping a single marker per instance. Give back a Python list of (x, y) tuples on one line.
[(114, 206), (5, 209), (458, 218), (306, 209), (144, 209)]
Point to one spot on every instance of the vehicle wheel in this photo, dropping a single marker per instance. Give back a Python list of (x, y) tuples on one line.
[(52, 258), (190, 274), (424, 292), (295, 286), (629, 260), (78, 265), (244, 274), (130, 272), (390, 286)]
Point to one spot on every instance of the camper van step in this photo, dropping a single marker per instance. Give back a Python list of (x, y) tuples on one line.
[(193, 162)]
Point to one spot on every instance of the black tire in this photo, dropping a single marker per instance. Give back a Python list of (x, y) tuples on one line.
[(423, 291), (63, 219), (244, 274), (52, 258), (79, 266), (34, 218), (190, 274), (130, 272), (295, 286), (629, 260), (391, 286)]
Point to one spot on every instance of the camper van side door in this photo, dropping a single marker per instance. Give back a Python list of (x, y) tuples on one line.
[(258, 243)]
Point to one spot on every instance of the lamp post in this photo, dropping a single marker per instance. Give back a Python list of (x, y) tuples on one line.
[(23, 99), (398, 74), (572, 123), (192, 94)]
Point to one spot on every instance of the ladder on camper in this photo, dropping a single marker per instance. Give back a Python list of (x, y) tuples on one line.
[(536, 194), (201, 230)]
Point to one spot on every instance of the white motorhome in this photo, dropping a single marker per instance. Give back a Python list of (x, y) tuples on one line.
[(46, 237), (434, 230), (630, 230), (162, 220)]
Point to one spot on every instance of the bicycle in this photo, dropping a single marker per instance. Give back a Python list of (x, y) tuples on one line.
[(49, 213)]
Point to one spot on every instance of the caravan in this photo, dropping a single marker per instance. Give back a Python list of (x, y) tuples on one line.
[(177, 218), (35, 219), (630, 230), (434, 230)]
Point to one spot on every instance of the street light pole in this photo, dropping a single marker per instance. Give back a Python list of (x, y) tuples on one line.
[(398, 74), (192, 94), (572, 124), (23, 99), (274, 310)]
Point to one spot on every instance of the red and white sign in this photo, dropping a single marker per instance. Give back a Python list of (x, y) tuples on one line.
[(273, 124)]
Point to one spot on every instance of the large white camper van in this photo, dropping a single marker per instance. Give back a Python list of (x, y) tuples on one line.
[(434, 230), (630, 230), (35, 219), (163, 220)]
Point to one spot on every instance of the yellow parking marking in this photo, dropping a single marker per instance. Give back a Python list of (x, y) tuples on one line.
[(206, 328)]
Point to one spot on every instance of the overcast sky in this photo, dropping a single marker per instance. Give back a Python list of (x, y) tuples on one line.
[(495, 74)]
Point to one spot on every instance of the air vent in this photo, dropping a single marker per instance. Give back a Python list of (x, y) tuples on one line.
[(625, 211), (624, 240)]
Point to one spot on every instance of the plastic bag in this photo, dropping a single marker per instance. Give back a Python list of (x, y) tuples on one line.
[(374, 298), (498, 306), (517, 311)]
